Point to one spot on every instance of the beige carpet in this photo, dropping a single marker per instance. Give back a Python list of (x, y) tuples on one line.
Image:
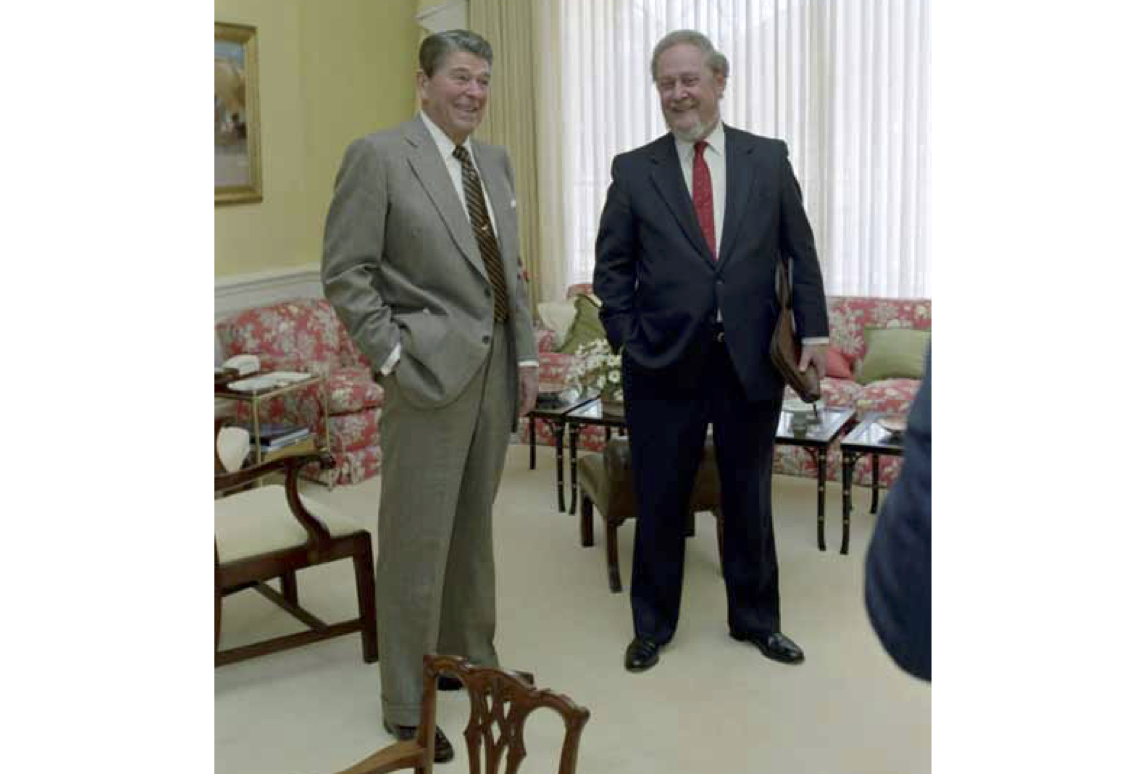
[(710, 705)]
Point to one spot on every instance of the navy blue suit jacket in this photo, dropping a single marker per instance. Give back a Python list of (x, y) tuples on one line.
[(659, 283), (899, 562)]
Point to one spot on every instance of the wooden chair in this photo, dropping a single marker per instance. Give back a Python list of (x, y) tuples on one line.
[(605, 481), (500, 703), (266, 532)]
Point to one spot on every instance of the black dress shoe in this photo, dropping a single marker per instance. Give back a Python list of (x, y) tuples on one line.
[(774, 645), (445, 683), (641, 655), (442, 752)]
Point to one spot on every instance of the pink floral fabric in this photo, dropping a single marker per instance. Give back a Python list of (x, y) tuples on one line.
[(300, 331), (351, 388), (305, 335), (849, 318)]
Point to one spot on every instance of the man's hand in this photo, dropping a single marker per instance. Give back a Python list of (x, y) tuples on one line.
[(528, 388), (814, 354)]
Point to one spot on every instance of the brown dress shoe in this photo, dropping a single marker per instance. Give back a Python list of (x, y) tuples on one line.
[(774, 645), (442, 752)]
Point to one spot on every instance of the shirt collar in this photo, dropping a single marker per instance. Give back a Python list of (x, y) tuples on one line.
[(716, 139), (444, 145)]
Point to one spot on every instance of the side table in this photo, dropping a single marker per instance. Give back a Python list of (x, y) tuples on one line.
[(591, 412), (817, 440), (554, 415), (256, 397), (867, 438)]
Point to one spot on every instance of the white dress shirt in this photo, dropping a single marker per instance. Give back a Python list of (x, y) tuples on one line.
[(446, 147), (714, 157)]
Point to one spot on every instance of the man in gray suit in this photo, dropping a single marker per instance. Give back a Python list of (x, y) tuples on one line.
[(421, 264)]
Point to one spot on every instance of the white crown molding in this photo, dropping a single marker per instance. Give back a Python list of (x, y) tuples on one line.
[(243, 291)]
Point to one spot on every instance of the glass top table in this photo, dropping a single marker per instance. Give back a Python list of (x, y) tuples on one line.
[(552, 408), (822, 431), (871, 438)]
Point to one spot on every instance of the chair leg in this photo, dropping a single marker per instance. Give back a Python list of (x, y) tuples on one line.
[(364, 584), (613, 557), (586, 520), (288, 587), (720, 536), (689, 524)]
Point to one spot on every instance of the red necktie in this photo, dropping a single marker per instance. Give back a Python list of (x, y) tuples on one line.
[(704, 196)]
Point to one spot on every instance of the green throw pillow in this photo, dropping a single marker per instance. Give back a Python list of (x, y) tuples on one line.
[(586, 325), (893, 353)]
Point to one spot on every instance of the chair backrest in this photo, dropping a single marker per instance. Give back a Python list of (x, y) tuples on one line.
[(500, 703)]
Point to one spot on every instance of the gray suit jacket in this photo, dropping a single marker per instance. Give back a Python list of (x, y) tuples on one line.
[(401, 263)]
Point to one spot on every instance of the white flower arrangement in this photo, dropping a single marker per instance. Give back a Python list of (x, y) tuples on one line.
[(596, 371)]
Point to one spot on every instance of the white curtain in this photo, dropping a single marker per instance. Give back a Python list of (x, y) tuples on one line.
[(844, 82)]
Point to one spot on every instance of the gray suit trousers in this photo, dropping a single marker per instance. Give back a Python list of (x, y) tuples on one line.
[(436, 567)]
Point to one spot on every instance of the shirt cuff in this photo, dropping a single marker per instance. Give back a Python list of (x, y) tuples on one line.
[(816, 340), (395, 355), (528, 363)]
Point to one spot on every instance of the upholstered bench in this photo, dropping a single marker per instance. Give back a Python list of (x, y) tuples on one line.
[(605, 481)]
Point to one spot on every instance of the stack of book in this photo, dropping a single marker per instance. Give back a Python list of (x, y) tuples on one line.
[(274, 436)]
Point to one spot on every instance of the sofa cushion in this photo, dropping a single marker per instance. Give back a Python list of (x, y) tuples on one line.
[(893, 352), (586, 325), (837, 364), (839, 392), (351, 388), (259, 521), (558, 316), (851, 315), (893, 396)]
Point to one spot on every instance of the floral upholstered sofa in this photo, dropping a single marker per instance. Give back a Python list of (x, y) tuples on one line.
[(306, 335), (850, 317)]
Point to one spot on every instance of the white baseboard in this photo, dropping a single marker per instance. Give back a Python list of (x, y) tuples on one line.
[(242, 291)]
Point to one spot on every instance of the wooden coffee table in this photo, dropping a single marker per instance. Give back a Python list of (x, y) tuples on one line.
[(817, 439), (867, 438), (555, 416)]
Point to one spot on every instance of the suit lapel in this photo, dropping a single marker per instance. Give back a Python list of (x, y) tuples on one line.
[(426, 162), (740, 178), (666, 174)]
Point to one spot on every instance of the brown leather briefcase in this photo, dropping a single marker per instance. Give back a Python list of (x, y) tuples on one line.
[(786, 348)]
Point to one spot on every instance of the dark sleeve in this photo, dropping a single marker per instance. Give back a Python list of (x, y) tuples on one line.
[(614, 276), (899, 562), (797, 244)]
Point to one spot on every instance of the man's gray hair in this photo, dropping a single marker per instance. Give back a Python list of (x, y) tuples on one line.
[(715, 60), (437, 46)]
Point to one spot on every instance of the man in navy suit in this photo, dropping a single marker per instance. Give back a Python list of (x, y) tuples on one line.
[(692, 231), (899, 562)]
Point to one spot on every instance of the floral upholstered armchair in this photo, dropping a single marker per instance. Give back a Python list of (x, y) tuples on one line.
[(305, 335)]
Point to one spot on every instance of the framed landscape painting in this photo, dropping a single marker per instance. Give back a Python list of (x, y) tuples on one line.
[(237, 115)]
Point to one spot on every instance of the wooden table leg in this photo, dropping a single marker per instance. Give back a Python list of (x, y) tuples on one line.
[(848, 459), (574, 433), (533, 439), (821, 464), (559, 441), (875, 473)]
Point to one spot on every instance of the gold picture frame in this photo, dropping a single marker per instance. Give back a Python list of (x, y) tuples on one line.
[(237, 116)]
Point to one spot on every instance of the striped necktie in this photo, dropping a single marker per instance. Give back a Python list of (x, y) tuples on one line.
[(485, 234)]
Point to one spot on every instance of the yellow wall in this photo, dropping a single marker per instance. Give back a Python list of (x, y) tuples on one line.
[(330, 71)]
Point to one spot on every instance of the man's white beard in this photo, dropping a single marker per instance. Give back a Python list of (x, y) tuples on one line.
[(695, 133)]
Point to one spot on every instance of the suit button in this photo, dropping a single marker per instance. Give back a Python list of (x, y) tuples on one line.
[(487, 339), (487, 291)]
